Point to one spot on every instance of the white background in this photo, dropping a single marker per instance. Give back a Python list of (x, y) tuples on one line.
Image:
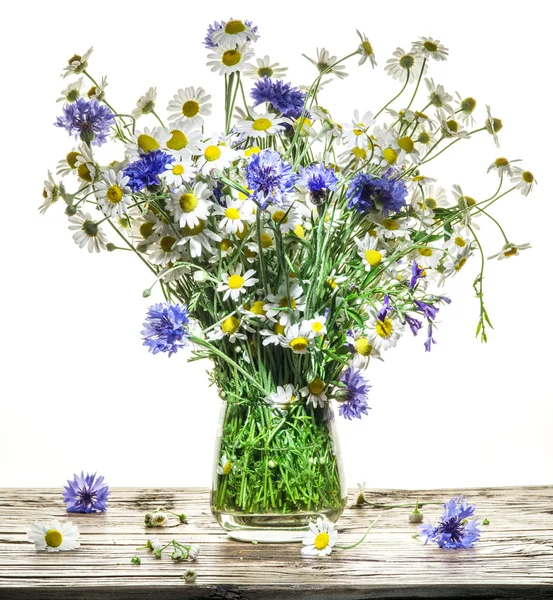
[(78, 389)]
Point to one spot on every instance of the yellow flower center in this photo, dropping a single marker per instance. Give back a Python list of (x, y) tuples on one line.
[(363, 346), (468, 105), (167, 242), (71, 159), (265, 72), (278, 328), (358, 132), (287, 303), (190, 108), (389, 155), (212, 153), (191, 231), (114, 194), (424, 138), (316, 386), (425, 251), (53, 538), (331, 283), (406, 143), (430, 46), (261, 125), (147, 143), (390, 225), (241, 235), (257, 308), (178, 170), (146, 229), (501, 162), (266, 240), (235, 282), (74, 58), (459, 241), (252, 151), (188, 202), (373, 257), (299, 231), (511, 252), (231, 58), (368, 49), (321, 541), (406, 61), (232, 213), (230, 325), (178, 140), (279, 216), (460, 264), (226, 245), (452, 125), (466, 200), (227, 468), (298, 344), (234, 27), (527, 177), (360, 153), (384, 328), (430, 203), (84, 173), (317, 326)]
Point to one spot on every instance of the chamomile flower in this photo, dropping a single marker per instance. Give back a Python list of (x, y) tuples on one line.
[(428, 257), (164, 251), (465, 108), (234, 33), (459, 241), (146, 140), (215, 154), (297, 337), (430, 48), (181, 171), (69, 164), (77, 63), (438, 97), (315, 393), (502, 166), (235, 215), (54, 536), (493, 125), (260, 126), (190, 105), (73, 91), (327, 64), (356, 133), (367, 250), (113, 193), (524, 180), (361, 348), (234, 284), (229, 328), (320, 539), (98, 91), (284, 396), (87, 232), (225, 465), (185, 140), (282, 306), (229, 59), (188, 206), (428, 198), (286, 217), (145, 104), (198, 238), (272, 336), (50, 193), (365, 50), (509, 250), (450, 127), (145, 230), (404, 65), (389, 228), (454, 262), (316, 326), (384, 331), (263, 67)]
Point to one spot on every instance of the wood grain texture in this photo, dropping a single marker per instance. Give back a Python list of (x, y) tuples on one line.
[(514, 559)]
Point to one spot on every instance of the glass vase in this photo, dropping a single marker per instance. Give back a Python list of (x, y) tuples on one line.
[(275, 470)]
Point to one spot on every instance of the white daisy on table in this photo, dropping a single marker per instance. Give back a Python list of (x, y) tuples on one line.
[(283, 396), (365, 50), (272, 336), (428, 257), (54, 536), (261, 125), (430, 48), (493, 125), (164, 250), (72, 92), (225, 465), (69, 164), (98, 91), (50, 193), (298, 337), (188, 205), (264, 68), (405, 64), (281, 306), (182, 170), (189, 105), (316, 326), (524, 180), (509, 250), (215, 154), (77, 63), (450, 127), (367, 250), (326, 62), (438, 97), (315, 393), (199, 238), (185, 140), (361, 349), (113, 193), (146, 140), (356, 132), (229, 59), (320, 539), (234, 33), (384, 333), (286, 217), (145, 104), (87, 232), (234, 284), (458, 241), (235, 215), (465, 108)]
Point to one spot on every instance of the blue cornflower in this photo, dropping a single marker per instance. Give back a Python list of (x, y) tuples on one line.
[(208, 40), (281, 96), (317, 180), (269, 178), (368, 193), (453, 531), (144, 171), (417, 272), (357, 388), (86, 119), (86, 494), (166, 328)]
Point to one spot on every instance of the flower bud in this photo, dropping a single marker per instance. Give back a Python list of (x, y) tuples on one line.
[(189, 576)]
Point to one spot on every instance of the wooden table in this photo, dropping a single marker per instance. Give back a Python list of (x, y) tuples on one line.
[(514, 559)]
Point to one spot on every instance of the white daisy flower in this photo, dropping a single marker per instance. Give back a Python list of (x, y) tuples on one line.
[(509, 250), (145, 104), (405, 64), (185, 140), (87, 232), (282, 306), (69, 164), (260, 126), (325, 62), (236, 214), (283, 396), (87, 168), (234, 33), (144, 230), (98, 92), (524, 180), (146, 140), (461, 199), (502, 166), (356, 133), (272, 336), (180, 171), (315, 392), (159, 519), (229, 59), (188, 206), (234, 284), (72, 92), (454, 262), (465, 108), (50, 193), (298, 337), (225, 466), (264, 68), (77, 63), (458, 241), (430, 48), (54, 536), (286, 217), (450, 127), (365, 50), (267, 238), (361, 349), (229, 328), (334, 281), (113, 193), (428, 257), (384, 334), (215, 154), (392, 228), (198, 238), (316, 325), (189, 105), (428, 198), (438, 97), (256, 310), (164, 250), (153, 543), (320, 539), (493, 125), (367, 250)]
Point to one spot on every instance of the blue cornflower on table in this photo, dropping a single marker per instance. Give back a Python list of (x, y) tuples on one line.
[(86, 494), (454, 530)]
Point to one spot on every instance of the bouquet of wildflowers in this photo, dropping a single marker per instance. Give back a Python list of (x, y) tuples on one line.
[(292, 246)]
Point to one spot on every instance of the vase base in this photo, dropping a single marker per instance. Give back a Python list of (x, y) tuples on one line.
[(267, 536)]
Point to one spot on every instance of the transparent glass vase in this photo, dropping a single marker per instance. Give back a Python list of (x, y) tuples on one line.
[(275, 470)]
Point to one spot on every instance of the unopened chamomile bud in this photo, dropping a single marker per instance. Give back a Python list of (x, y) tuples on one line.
[(416, 516), (70, 210), (200, 276), (194, 551), (111, 247), (147, 293), (148, 518), (182, 518), (189, 576), (157, 553)]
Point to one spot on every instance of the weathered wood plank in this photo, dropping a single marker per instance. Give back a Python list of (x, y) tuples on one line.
[(513, 560)]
